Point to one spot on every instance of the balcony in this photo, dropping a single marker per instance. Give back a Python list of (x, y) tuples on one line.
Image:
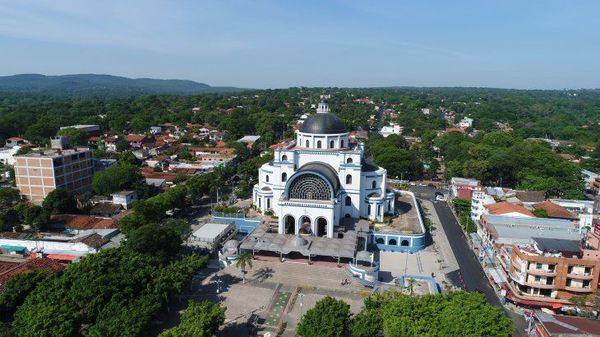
[(585, 276), (587, 289), (539, 285), (542, 272)]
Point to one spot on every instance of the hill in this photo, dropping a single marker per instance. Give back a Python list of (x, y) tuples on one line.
[(82, 85)]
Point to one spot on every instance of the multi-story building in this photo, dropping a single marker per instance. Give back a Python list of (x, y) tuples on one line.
[(479, 200), (39, 173), (551, 271)]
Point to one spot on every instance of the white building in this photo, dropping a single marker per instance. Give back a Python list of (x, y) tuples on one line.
[(479, 200), (7, 155), (392, 129), (124, 198), (465, 123), (320, 178)]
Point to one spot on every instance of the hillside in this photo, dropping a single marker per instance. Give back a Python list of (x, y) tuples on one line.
[(101, 85)]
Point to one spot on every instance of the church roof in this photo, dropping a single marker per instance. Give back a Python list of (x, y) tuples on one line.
[(323, 123)]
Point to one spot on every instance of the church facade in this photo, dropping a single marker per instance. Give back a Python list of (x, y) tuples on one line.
[(321, 178)]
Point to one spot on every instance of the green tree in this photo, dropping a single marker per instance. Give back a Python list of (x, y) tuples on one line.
[(115, 292), (540, 213), (9, 218), (16, 290), (77, 137), (330, 317), (367, 323), (9, 197), (200, 319), (59, 201), (152, 239), (244, 261), (117, 178), (34, 216)]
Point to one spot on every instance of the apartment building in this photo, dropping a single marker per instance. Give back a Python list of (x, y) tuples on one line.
[(553, 270), (40, 172)]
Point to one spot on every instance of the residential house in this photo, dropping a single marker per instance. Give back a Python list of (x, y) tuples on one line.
[(124, 198), (463, 188), (392, 129)]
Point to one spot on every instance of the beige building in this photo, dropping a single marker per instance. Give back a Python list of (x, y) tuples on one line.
[(40, 172)]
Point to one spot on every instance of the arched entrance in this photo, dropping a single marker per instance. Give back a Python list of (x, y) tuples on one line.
[(289, 224), (321, 227), (304, 225)]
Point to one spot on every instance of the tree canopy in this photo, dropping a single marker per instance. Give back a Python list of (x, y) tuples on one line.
[(200, 319), (328, 318), (111, 293)]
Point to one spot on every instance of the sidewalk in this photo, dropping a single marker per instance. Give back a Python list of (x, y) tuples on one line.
[(440, 240)]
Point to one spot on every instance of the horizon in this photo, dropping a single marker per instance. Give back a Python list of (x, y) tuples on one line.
[(273, 45), (310, 87)]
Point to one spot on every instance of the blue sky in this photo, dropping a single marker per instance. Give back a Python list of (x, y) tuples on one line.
[(274, 44)]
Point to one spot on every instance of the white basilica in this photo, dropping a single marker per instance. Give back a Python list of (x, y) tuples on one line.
[(321, 178)]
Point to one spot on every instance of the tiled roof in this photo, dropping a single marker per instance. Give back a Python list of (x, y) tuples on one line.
[(554, 210), (95, 241), (507, 207), (30, 265), (530, 196), (135, 138), (82, 222)]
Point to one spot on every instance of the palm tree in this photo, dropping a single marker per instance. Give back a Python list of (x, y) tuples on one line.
[(245, 260), (410, 285)]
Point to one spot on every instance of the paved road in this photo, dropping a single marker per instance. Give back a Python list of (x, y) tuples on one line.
[(470, 276)]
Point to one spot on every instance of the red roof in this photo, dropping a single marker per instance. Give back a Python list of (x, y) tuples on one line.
[(455, 130), (135, 138), (82, 222), (554, 210), (507, 207), (27, 266)]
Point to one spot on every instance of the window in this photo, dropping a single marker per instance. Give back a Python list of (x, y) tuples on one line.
[(267, 178), (378, 210), (404, 243), (374, 184), (392, 242), (284, 158), (348, 201), (318, 144), (307, 143), (342, 143), (310, 187), (538, 279), (380, 241), (268, 203), (349, 161), (331, 144), (538, 266), (349, 179), (368, 209), (283, 177)]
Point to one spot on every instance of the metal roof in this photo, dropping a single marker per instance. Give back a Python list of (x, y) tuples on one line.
[(211, 231), (558, 245)]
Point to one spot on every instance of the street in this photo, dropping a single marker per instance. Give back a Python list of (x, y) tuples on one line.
[(470, 276)]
